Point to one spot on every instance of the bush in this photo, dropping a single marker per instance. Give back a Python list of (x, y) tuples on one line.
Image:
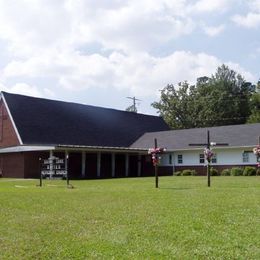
[(236, 171), (187, 172), (226, 172), (213, 172), (178, 173), (258, 172), (193, 173), (249, 171)]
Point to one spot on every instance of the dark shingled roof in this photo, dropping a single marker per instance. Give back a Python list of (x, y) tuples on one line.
[(48, 122), (234, 135)]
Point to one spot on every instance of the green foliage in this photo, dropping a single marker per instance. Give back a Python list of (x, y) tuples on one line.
[(249, 171), (255, 107), (214, 172), (236, 171), (107, 219), (189, 172), (222, 99), (178, 173), (176, 105), (225, 172), (258, 172)]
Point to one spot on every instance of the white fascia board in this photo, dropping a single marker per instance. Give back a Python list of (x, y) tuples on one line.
[(100, 149), (12, 120), (213, 147), (26, 148)]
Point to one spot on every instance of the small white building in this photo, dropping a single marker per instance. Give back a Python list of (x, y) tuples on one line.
[(241, 140)]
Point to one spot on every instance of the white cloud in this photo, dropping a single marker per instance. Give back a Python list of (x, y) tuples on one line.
[(254, 5), (44, 38), (213, 31), (21, 88), (251, 20), (141, 73), (212, 6), (26, 89)]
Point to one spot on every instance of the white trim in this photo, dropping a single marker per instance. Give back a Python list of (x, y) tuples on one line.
[(12, 120), (100, 149), (26, 148)]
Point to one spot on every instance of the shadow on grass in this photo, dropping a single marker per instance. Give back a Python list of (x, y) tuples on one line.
[(174, 188)]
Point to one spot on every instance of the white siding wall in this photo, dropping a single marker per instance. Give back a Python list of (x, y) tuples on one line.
[(224, 157)]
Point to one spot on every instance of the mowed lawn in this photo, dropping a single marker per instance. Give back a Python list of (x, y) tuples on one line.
[(130, 219)]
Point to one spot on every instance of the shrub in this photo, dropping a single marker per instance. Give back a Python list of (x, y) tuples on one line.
[(178, 173), (193, 172), (258, 172), (236, 171), (213, 172), (226, 172), (249, 171), (187, 172)]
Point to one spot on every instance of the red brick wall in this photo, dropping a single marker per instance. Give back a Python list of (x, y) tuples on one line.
[(12, 165), (31, 163), (8, 136)]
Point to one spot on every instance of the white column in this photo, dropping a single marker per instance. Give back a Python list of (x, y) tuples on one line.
[(66, 161), (139, 165), (126, 165), (98, 164), (51, 164), (113, 164), (83, 164)]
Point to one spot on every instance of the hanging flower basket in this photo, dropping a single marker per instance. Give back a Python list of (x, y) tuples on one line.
[(256, 151), (208, 154), (155, 154)]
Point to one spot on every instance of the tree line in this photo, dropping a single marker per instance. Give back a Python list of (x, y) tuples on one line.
[(225, 98)]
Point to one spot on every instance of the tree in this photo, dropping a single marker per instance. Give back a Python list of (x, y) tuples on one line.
[(221, 99), (175, 105), (255, 106)]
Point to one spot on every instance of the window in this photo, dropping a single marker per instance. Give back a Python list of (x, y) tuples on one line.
[(245, 156), (202, 158), (170, 159), (214, 158), (179, 158)]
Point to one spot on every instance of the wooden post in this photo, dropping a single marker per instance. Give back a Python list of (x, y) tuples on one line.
[(208, 165), (208, 146), (156, 167), (40, 170), (66, 166)]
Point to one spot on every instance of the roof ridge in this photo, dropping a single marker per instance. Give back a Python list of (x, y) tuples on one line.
[(74, 103)]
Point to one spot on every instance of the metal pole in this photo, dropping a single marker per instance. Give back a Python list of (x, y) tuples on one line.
[(156, 167)]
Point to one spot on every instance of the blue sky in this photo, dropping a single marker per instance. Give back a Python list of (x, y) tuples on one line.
[(100, 52)]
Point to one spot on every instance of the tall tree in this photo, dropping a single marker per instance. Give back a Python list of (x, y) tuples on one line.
[(255, 106), (175, 105), (221, 99)]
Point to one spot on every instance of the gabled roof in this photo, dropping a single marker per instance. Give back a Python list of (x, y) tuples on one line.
[(234, 135), (48, 122)]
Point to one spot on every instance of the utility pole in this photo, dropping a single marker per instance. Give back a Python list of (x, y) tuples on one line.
[(133, 107)]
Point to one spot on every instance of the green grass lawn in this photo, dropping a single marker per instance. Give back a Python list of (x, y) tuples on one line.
[(130, 219)]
